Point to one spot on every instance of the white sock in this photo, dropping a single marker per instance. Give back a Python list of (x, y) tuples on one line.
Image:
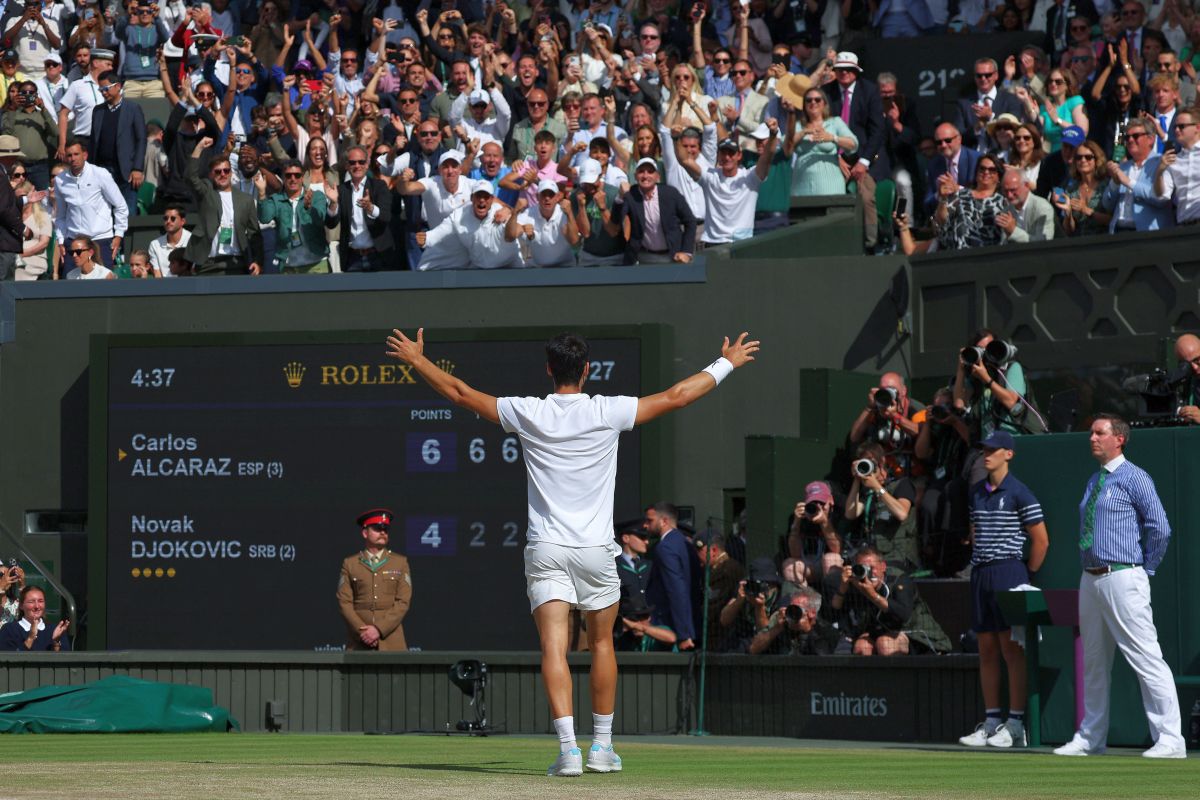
[(565, 728), (602, 729)]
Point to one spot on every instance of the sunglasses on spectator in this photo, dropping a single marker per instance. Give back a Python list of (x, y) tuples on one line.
[(1164, 65), (1133, 12), (1055, 81), (221, 171), (244, 71), (1135, 135), (949, 140), (722, 61), (988, 169), (106, 87), (985, 74), (356, 162), (170, 218), (813, 100), (1080, 59), (1085, 157), (1124, 87), (428, 134), (293, 174), (205, 95), (649, 36), (1182, 125), (76, 251), (51, 64), (535, 103), (408, 100), (741, 72), (349, 60)]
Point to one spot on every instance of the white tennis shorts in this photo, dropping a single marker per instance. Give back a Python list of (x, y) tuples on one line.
[(585, 577)]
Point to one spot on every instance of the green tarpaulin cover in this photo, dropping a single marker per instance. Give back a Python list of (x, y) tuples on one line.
[(114, 705)]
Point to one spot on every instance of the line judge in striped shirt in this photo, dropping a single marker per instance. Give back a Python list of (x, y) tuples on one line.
[(1123, 534), (1003, 513)]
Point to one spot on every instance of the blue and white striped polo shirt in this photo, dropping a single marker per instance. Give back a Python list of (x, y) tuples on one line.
[(1000, 516)]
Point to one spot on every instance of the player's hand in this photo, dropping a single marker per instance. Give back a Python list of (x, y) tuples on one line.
[(740, 351), (405, 349)]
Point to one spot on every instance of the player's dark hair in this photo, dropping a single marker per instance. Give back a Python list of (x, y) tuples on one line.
[(567, 355), (665, 509)]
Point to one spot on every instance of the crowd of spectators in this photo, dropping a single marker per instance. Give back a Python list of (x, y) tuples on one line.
[(364, 135)]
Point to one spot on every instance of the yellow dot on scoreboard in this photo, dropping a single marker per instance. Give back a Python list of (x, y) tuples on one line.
[(170, 572), (158, 573), (137, 573)]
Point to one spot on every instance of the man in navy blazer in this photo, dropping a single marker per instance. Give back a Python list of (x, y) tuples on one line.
[(1130, 195), (953, 159), (865, 120), (118, 138), (973, 113), (673, 574), (673, 238)]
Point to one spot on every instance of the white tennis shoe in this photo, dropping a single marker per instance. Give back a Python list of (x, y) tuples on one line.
[(603, 759), (568, 765)]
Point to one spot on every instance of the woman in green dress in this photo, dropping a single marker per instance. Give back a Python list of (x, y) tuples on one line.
[(818, 136)]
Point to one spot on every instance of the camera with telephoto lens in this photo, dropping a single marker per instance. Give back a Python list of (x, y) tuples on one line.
[(941, 412), (812, 508), (794, 614), (860, 572), (755, 587), (885, 397), (864, 467)]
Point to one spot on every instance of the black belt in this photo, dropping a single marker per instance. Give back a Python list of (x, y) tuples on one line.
[(1108, 569), (655, 252)]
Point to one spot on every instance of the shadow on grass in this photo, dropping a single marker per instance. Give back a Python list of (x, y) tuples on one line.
[(487, 768)]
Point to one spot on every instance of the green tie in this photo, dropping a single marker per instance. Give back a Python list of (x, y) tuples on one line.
[(1089, 515)]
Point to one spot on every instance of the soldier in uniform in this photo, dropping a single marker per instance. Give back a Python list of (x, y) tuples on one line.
[(375, 589)]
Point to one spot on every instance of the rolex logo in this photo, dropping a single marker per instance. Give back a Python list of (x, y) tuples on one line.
[(294, 372), (446, 365)]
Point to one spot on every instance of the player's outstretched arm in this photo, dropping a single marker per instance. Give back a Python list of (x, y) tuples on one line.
[(691, 389), (453, 389)]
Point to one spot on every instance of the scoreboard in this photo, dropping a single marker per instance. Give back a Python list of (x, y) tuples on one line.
[(232, 472)]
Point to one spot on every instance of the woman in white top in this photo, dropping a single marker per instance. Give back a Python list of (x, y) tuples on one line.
[(32, 261), (83, 255), (683, 84)]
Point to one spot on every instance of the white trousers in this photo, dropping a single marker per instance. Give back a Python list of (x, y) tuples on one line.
[(1114, 611)]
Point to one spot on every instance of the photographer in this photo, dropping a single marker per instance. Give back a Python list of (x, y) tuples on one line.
[(813, 536), (724, 575), (749, 613), (989, 387), (1187, 350), (870, 606), (29, 631), (882, 509), (36, 130), (12, 581), (942, 446), (888, 420), (796, 629)]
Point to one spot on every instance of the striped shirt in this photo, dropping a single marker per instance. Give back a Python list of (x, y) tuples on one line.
[(1131, 526), (1000, 515)]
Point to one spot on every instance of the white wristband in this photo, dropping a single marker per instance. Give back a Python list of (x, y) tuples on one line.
[(719, 369)]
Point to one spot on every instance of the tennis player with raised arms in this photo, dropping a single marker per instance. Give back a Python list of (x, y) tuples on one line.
[(569, 441)]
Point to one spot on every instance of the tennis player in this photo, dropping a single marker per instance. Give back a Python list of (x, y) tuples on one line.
[(570, 448)]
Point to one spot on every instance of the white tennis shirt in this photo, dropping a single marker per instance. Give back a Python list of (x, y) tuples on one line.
[(570, 444)]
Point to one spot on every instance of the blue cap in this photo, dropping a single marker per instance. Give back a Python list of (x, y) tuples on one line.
[(1073, 135), (999, 440)]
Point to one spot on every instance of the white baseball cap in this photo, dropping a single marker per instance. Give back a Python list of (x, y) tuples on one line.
[(589, 171), (646, 162), (478, 97), (451, 155), (761, 132), (547, 185), (483, 187)]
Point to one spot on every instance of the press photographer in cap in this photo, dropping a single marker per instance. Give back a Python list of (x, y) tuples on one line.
[(813, 534), (375, 589), (748, 613), (880, 507), (1187, 350), (797, 629)]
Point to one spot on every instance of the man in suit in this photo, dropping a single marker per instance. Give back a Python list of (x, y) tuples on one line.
[(745, 109), (856, 101), (227, 239), (118, 138), (953, 161), (675, 572), (1032, 219), (659, 226), (973, 113), (1130, 193), (365, 214)]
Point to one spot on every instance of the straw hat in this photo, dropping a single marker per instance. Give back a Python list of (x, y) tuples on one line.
[(792, 88)]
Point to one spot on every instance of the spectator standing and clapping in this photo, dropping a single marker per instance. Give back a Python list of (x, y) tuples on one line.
[(972, 114), (953, 165), (1061, 108), (1081, 205), (744, 109), (903, 131), (364, 213), (817, 140), (969, 217), (300, 216), (1027, 154), (1177, 176), (1163, 93), (523, 143), (32, 34), (140, 35), (730, 191), (598, 213), (29, 632), (1116, 105), (474, 237), (1029, 218), (1130, 194)]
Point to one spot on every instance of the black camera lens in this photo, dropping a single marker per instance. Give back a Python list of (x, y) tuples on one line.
[(971, 355), (860, 571), (755, 587), (794, 613), (812, 508)]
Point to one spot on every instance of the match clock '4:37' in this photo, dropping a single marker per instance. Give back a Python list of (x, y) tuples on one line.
[(152, 378)]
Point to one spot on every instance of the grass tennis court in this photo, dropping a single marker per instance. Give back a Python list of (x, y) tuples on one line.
[(218, 766)]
